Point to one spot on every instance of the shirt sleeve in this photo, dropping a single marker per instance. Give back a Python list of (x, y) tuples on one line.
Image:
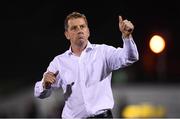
[(39, 91), (122, 57)]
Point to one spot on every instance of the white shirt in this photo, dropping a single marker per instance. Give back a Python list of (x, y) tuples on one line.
[(91, 74)]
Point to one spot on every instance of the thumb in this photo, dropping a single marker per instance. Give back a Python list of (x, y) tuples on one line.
[(72, 83), (57, 72), (120, 19)]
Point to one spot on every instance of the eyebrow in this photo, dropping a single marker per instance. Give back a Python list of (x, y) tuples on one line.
[(78, 25)]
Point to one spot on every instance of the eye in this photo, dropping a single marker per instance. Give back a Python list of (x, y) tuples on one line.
[(82, 26), (73, 27)]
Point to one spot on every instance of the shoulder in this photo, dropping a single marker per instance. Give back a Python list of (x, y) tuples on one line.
[(102, 46), (60, 56)]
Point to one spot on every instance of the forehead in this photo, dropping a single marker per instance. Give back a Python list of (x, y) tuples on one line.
[(76, 21)]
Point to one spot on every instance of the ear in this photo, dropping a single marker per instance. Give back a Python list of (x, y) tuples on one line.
[(67, 35)]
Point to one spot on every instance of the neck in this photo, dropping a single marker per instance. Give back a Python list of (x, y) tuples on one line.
[(77, 50)]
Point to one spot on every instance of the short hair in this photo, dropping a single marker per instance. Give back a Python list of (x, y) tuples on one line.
[(74, 15)]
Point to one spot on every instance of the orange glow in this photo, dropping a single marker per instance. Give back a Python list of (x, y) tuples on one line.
[(157, 44)]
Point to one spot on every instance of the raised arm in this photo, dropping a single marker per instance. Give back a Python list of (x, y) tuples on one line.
[(121, 57)]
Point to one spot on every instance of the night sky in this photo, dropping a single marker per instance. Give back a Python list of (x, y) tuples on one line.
[(32, 33)]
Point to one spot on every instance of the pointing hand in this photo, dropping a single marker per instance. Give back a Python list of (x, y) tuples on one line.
[(125, 26)]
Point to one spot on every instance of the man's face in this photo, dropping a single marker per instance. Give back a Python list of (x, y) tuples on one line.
[(77, 32)]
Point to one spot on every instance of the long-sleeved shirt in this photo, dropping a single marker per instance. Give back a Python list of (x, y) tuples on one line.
[(89, 77)]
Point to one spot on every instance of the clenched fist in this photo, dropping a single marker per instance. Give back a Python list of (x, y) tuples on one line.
[(49, 78), (126, 27)]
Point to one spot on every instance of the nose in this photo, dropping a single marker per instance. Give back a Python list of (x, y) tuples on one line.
[(80, 32), (78, 29)]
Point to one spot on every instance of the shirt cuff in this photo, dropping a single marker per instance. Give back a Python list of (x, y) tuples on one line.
[(40, 86), (128, 41), (127, 38)]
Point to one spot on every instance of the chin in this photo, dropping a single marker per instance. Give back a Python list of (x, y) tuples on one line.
[(82, 42)]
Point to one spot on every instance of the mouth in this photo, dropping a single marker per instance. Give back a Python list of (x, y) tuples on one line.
[(80, 36), (81, 39)]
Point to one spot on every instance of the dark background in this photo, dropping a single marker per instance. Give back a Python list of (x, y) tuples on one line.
[(32, 33)]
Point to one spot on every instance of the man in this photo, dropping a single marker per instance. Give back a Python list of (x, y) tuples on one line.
[(84, 71)]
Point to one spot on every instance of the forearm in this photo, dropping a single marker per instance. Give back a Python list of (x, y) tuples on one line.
[(40, 92), (130, 50)]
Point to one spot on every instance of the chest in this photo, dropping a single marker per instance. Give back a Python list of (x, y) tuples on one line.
[(76, 68)]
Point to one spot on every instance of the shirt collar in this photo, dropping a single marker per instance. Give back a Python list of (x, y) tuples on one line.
[(88, 48)]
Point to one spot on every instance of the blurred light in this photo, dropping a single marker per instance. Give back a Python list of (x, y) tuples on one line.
[(143, 110), (157, 44)]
